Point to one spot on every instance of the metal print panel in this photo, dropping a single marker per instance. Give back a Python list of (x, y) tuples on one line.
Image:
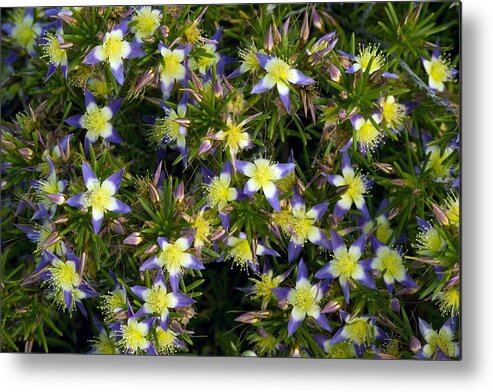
[(272, 180)]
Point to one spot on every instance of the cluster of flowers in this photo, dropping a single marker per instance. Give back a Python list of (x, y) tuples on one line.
[(360, 267)]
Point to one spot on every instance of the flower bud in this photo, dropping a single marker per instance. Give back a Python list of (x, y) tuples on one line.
[(398, 182), (133, 239), (414, 344), (117, 227), (205, 146), (334, 73), (395, 305), (164, 30), (283, 304), (331, 307), (179, 192), (285, 27), (26, 153), (218, 89), (269, 40), (387, 168), (51, 240), (154, 194), (305, 29), (316, 19), (276, 34), (196, 81), (151, 249), (440, 215), (56, 198)]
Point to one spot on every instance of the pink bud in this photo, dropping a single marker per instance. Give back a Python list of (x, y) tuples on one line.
[(205, 146), (440, 215), (269, 40), (331, 307), (414, 344), (179, 192), (56, 198), (133, 239), (334, 72)]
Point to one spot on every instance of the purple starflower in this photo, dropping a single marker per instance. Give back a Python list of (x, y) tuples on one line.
[(280, 74), (346, 264), (439, 345), (304, 299), (174, 257), (157, 301), (99, 196), (361, 331), (172, 67), (97, 120), (356, 186), (113, 50), (303, 227), (263, 174)]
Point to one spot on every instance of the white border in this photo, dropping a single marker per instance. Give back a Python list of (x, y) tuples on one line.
[(473, 373)]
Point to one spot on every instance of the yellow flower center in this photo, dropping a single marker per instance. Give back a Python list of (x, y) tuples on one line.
[(263, 173), (241, 253), (64, 275), (113, 47), (105, 345), (113, 305), (203, 230), (430, 240), (391, 261), (367, 54), (211, 57), (264, 286), (236, 139), (358, 330), (172, 66), (449, 302), (24, 33), (95, 120), (302, 227), (172, 257), (439, 169), (147, 21), (51, 49), (165, 341), (345, 264), (453, 210), (368, 135), (192, 33), (158, 300), (134, 336), (393, 112), (218, 192), (278, 69), (99, 197), (166, 128), (250, 59), (384, 231), (356, 187), (438, 70), (303, 298), (443, 341)]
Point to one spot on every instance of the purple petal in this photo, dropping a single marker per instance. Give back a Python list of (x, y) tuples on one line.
[(340, 210), (359, 244), (337, 241), (319, 210), (284, 168), (91, 58), (345, 289), (135, 51), (301, 78), (338, 337), (294, 250), (139, 291), (164, 322), (284, 95), (160, 279), (451, 324), (263, 250), (151, 263), (408, 281), (76, 201), (302, 272), (51, 70), (321, 240), (116, 179), (348, 55), (390, 75), (120, 208), (297, 201), (75, 121), (324, 272), (115, 106), (88, 174), (225, 219), (89, 98), (323, 322), (162, 241), (96, 223), (113, 137), (183, 300), (118, 73), (423, 225), (195, 264), (293, 325), (242, 166), (67, 297), (227, 168), (272, 197), (263, 59), (123, 27), (424, 327), (174, 280), (262, 87), (281, 292), (367, 280)]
